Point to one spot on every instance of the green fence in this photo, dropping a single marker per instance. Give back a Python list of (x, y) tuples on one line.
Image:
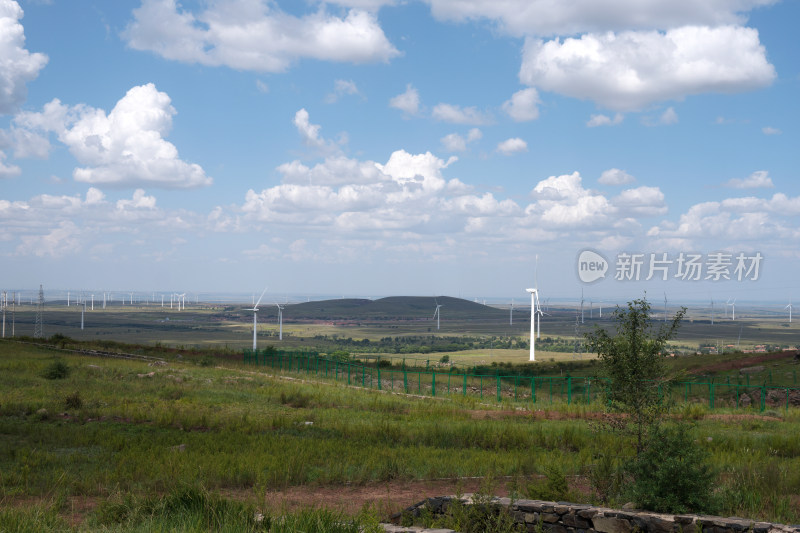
[(581, 390)]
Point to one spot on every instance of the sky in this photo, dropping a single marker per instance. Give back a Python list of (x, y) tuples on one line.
[(387, 147)]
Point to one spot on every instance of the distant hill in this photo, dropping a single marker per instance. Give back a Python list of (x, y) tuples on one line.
[(390, 308)]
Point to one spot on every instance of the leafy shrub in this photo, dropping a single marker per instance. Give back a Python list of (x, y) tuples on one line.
[(206, 360), (58, 369), (671, 474), (445, 359), (553, 488), (73, 401)]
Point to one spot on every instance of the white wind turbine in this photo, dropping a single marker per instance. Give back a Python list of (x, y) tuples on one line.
[(280, 321), (712, 310), (789, 307), (437, 314), (255, 318), (733, 309), (665, 307), (536, 311), (511, 313)]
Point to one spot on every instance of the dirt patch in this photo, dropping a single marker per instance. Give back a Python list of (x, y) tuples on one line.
[(385, 498), (743, 362)]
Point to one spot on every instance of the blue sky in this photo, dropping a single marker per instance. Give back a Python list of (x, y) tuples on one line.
[(377, 147)]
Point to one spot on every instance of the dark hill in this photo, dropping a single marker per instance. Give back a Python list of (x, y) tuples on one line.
[(390, 308)]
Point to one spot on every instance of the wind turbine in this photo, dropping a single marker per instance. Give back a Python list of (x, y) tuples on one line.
[(733, 309), (255, 317), (789, 307), (665, 307), (437, 314), (712, 310), (511, 313), (280, 321), (536, 310)]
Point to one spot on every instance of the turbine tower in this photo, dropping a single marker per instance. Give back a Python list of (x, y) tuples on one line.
[(255, 318), (37, 328), (4, 304), (536, 310), (733, 309), (665, 307), (280, 321), (789, 307)]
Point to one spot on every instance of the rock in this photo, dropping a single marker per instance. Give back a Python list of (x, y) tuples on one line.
[(744, 400), (630, 506), (178, 448), (606, 524), (148, 375)]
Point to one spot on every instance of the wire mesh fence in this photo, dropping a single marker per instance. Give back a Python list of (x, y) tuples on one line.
[(382, 375)]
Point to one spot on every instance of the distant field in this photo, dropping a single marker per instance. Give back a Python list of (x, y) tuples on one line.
[(231, 327)]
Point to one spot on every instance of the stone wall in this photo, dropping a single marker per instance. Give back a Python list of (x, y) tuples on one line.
[(562, 517)]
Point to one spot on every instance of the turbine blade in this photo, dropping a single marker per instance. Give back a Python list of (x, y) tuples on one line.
[(259, 298)]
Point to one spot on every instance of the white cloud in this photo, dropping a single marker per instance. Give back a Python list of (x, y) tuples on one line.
[(512, 146), (454, 142), (769, 130), (60, 241), (615, 176), (310, 134), (124, 148), (17, 66), (604, 120), (262, 87), (545, 17), (407, 102), (341, 88), (758, 179), (669, 116), (460, 115), (139, 201), (641, 201), (523, 106), (255, 35), (8, 171), (630, 70), (337, 170)]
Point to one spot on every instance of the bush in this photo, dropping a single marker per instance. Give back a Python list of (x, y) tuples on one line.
[(73, 401), (671, 474), (58, 369)]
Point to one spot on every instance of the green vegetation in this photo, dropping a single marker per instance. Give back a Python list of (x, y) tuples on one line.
[(668, 472), (125, 435)]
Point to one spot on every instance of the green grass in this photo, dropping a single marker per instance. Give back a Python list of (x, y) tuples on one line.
[(109, 430)]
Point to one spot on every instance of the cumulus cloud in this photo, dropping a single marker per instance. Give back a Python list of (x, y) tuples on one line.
[(454, 142), (604, 120), (669, 116), (512, 146), (139, 201), (8, 171), (18, 66), (758, 179), (123, 148), (58, 242), (615, 176), (407, 102), (460, 115), (630, 70), (342, 88), (562, 201), (769, 130), (641, 201), (545, 17), (523, 106), (255, 35)]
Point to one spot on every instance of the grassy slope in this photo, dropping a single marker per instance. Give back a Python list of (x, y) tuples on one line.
[(226, 428)]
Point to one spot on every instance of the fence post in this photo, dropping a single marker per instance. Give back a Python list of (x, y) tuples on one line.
[(569, 390), (763, 398), (433, 383), (711, 397), (405, 377), (533, 389), (464, 390), (499, 399), (379, 378)]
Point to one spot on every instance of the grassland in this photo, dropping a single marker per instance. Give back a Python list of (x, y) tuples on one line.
[(120, 445)]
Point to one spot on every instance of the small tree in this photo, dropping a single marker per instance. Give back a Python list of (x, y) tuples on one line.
[(633, 361)]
